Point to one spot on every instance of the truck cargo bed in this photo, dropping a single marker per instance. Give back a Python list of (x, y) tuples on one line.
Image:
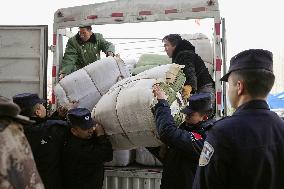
[(132, 177)]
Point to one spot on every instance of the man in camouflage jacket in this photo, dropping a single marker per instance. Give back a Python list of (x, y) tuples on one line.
[(17, 166)]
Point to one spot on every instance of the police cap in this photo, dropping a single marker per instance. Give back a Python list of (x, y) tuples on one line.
[(250, 59), (199, 102), (27, 100), (80, 117)]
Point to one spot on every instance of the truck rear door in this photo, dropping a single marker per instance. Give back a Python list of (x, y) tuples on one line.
[(23, 60)]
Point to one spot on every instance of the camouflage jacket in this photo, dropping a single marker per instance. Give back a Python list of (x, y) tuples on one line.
[(17, 166)]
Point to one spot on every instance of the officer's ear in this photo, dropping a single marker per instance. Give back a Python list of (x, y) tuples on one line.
[(205, 117), (74, 131), (240, 87), (37, 110)]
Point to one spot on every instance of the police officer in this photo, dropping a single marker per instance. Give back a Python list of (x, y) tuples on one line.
[(245, 150), (46, 138), (17, 166), (86, 151), (184, 142)]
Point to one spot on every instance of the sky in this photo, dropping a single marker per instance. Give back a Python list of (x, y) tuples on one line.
[(249, 23)]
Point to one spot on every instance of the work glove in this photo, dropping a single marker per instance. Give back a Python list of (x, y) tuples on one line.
[(109, 53), (186, 92)]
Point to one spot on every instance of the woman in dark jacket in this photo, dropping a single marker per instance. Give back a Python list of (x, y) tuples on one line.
[(197, 76)]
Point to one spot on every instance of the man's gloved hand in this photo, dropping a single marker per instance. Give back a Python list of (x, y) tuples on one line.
[(186, 92)]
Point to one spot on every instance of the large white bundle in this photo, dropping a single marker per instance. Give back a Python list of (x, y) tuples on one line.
[(144, 157), (121, 158), (130, 64), (202, 44), (125, 111), (88, 84)]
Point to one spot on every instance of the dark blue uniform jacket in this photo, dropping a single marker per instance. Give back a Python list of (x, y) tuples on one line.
[(185, 145), (46, 138), (84, 162), (244, 151)]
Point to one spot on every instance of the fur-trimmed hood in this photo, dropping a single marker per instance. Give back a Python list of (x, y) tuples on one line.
[(9, 109), (181, 46), (92, 39)]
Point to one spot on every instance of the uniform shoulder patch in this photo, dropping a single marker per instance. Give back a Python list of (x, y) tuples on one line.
[(206, 154)]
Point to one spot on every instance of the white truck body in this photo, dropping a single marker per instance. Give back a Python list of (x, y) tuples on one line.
[(23, 57), (136, 11)]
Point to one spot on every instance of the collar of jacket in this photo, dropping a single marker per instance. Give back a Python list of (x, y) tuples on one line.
[(92, 39), (206, 125), (81, 140), (253, 104), (192, 127), (4, 123), (38, 120), (181, 46)]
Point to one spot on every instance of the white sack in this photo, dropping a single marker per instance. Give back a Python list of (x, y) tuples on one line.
[(144, 157), (125, 111), (121, 158), (88, 84), (202, 44), (130, 64)]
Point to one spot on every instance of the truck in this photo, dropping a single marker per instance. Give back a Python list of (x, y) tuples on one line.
[(23, 60)]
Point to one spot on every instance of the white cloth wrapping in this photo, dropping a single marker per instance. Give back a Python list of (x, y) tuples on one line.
[(88, 84), (125, 111), (144, 157)]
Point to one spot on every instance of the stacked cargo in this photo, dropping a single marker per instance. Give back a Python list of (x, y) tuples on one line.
[(125, 110), (90, 83)]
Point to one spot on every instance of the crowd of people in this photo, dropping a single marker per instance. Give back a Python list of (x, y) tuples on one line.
[(69, 148)]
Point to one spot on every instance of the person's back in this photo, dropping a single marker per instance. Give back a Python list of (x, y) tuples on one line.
[(254, 139), (184, 142), (17, 166), (46, 138), (245, 150), (180, 165)]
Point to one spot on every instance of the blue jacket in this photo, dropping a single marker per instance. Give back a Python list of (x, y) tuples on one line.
[(84, 161), (184, 148), (245, 150), (46, 138)]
